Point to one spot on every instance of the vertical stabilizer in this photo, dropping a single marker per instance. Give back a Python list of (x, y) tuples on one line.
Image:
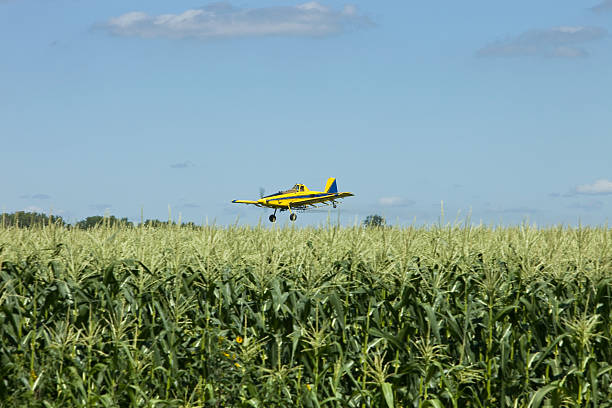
[(331, 187)]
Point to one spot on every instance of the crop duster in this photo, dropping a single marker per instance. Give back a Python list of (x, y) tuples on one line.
[(299, 198)]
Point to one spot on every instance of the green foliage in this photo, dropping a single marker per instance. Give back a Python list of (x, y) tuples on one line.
[(23, 219), (28, 219), (97, 220), (341, 317), (374, 221), (158, 223)]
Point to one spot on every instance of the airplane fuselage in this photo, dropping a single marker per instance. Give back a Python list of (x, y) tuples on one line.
[(286, 200)]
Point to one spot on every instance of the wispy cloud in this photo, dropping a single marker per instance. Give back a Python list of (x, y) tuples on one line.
[(222, 20), (603, 7), (41, 196), (599, 187), (100, 207), (560, 42), (519, 210), (395, 202), (182, 165), (592, 205), (38, 196), (49, 211)]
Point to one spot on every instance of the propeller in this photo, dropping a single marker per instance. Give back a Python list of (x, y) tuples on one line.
[(262, 191)]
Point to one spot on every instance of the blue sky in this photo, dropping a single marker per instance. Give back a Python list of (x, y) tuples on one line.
[(500, 110)]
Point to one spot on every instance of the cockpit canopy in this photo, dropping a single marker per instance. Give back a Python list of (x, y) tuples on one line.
[(295, 189)]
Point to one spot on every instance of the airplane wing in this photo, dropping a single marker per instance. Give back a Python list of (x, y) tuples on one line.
[(311, 201), (247, 202), (262, 205)]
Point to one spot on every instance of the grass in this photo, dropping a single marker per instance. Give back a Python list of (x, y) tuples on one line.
[(445, 315)]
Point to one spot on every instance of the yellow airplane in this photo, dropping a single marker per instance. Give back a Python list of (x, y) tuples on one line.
[(298, 198)]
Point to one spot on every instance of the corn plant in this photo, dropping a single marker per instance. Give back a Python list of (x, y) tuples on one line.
[(445, 315)]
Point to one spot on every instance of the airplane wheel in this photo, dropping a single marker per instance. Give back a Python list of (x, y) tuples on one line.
[(293, 217), (334, 205), (272, 218)]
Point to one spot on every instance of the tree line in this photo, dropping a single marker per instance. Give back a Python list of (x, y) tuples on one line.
[(32, 219)]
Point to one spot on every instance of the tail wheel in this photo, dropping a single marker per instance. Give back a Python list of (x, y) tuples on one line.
[(272, 218), (293, 217)]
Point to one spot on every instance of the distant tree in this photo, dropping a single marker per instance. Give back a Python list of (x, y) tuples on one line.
[(158, 223), (29, 219), (374, 221), (95, 220)]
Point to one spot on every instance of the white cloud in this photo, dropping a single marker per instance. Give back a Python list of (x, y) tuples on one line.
[(34, 209), (128, 19), (349, 10), (395, 202), (599, 187), (313, 5), (602, 7), (561, 42), (222, 20)]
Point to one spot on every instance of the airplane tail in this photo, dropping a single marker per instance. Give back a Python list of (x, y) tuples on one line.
[(331, 187)]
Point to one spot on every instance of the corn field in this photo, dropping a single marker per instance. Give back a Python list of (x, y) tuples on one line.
[(436, 316)]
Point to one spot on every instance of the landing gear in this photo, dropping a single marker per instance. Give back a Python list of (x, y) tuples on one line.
[(272, 217), (334, 204), (293, 217)]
